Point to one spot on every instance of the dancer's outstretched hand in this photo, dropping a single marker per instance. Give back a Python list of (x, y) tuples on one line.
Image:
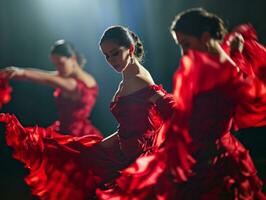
[(11, 72)]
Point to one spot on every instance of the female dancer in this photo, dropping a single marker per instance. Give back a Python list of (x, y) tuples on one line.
[(201, 159), (75, 90), (63, 166)]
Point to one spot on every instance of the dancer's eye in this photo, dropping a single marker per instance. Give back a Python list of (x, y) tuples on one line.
[(115, 53)]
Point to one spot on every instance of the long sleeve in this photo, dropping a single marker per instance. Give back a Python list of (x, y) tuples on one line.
[(253, 51)]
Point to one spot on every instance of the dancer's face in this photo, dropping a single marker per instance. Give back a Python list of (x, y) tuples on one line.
[(116, 56), (64, 65), (189, 42)]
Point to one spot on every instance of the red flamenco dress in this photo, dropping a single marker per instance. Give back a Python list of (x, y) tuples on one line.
[(66, 167), (74, 115), (200, 158)]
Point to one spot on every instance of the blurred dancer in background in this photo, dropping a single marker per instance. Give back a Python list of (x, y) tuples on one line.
[(75, 90)]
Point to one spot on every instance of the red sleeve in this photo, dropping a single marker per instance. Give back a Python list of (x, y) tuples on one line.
[(251, 112), (166, 105), (256, 56), (253, 51)]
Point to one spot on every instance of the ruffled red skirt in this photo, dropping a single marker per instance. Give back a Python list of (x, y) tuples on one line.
[(229, 175), (57, 167)]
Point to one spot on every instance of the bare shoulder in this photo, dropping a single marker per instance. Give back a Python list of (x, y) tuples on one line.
[(141, 81), (136, 84), (146, 81)]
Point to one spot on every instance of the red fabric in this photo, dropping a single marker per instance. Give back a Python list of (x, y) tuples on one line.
[(140, 120), (5, 92), (252, 112), (66, 167), (200, 158), (53, 160), (74, 114), (216, 90), (139, 117)]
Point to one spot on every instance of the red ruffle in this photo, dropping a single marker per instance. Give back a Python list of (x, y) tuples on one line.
[(54, 161), (251, 112)]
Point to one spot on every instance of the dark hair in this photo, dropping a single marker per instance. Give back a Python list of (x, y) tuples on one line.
[(124, 37), (64, 48), (196, 21)]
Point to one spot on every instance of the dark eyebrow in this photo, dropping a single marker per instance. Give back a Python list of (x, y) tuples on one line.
[(113, 50)]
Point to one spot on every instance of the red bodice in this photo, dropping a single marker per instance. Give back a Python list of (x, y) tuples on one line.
[(74, 114)]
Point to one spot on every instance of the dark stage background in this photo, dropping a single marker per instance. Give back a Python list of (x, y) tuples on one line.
[(29, 27)]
